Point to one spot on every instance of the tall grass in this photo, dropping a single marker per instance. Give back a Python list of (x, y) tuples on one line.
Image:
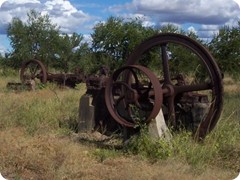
[(52, 109), (221, 147), (40, 111)]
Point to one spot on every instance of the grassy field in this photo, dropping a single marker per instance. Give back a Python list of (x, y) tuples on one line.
[(38, 141)]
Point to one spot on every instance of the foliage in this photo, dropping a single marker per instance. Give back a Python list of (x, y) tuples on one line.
[(146, 146), (69, 51), (170, 28), (225, 47), (180, 56), (34, 39), (221, 147), (103, 154), (112, 43), (90, 63), (117, 38), (40, 39), (8, 72)]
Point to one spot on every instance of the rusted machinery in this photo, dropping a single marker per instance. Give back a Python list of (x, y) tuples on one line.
[(35, 70), (135, 94)]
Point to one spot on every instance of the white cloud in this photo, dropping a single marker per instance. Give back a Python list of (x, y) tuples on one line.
[(146, 21), (209, 15), (1, 1), (206, 32), (61, 12), (66, 15), (191, 11), (118, 8), (238, 2), (65, 7), (18, 1), (205, 27), (87, 38), (70, 17), (233, 22), (11, 8), (2, 50), (22, 1), (192, 29)]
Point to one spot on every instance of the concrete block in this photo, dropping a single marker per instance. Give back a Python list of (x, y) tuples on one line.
[(158, 129), (86, 114)]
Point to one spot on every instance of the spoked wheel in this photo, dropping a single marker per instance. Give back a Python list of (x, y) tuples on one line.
[(33, 70), (184, 67), (133, 95)]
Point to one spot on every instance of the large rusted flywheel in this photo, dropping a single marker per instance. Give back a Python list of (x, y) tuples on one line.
[(174, 52), (33, 70)]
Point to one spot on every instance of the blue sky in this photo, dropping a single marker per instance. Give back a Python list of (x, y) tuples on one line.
[(204, 17)]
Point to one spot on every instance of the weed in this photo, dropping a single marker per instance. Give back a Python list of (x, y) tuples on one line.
[(8, 72), (103, 154), (146, 146)]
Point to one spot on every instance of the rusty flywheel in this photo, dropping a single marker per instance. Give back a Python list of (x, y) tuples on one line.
[(170, 56), (133, 92), (33, 70)]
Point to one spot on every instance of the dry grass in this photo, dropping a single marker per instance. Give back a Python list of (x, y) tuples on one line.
[(33, 144), (231, 86), (53, 157)]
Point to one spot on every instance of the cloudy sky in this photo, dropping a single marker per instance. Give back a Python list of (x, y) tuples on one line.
[(202, 16)]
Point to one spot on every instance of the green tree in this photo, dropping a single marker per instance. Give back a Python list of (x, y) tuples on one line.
[(170, 28), (181, 59), (41, 39), (34, 39), (81, 54), (70, 50), (117, 38), (225, 47)]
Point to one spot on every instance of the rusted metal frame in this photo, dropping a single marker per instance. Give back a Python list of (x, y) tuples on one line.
[(168, 85), (45, 76), (213, 70)]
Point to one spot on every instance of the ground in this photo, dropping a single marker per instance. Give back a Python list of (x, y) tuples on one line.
[(36, 142)]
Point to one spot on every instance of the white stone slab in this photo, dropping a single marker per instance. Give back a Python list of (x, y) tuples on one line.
[(158, 128)]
